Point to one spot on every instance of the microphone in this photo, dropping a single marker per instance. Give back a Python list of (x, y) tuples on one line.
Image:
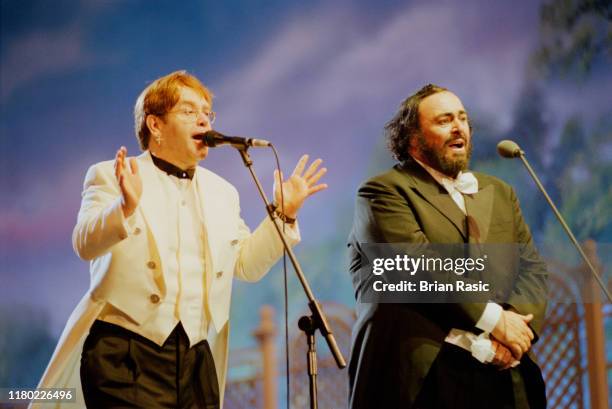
[(509, 149), (212, 139)]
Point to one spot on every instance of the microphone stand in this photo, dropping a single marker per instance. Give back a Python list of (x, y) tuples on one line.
[(317, 320), (521, 155)]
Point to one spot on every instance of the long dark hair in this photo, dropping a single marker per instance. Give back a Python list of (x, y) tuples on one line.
[(405, 123)]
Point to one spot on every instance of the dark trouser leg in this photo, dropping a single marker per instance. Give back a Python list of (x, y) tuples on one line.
[(457, 380), (197, 384), (121, 369), (108, 372)]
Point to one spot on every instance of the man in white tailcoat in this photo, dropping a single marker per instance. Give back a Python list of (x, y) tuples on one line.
[(164, 238)]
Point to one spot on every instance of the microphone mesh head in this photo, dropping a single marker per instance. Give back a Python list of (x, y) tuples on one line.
[(210, 138), (508, 149)]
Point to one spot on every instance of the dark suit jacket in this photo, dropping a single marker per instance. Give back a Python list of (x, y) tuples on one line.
[(394, 345)]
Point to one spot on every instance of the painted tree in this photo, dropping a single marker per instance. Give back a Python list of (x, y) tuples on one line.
[(575, 36)]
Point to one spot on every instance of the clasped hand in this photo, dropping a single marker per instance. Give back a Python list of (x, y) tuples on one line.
[(513, 332)]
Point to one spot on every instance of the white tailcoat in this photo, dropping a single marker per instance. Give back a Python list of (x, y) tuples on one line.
[(127, 260)]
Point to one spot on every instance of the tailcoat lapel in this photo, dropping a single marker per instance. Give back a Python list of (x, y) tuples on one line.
[(479, 207), (154, 208), (204, 192), (437, 196)]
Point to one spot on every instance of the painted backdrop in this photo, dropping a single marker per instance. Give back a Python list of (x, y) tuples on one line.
[(313, 77)]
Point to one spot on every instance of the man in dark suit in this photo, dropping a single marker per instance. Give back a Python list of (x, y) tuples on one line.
[(423, 355)]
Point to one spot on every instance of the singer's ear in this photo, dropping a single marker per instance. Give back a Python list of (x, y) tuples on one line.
[(154, 123)]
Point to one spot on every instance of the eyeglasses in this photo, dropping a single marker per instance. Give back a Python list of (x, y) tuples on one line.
[(193, 115)]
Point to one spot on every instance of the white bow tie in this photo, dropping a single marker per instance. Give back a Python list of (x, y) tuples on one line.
[(465, 183)]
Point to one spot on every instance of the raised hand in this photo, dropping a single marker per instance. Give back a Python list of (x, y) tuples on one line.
[(129, 181), (512, 331), (300, 185)]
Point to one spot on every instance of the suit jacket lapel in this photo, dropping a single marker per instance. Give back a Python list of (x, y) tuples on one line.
[(479, 208), (151, 203), (203, 189), (437, 196)]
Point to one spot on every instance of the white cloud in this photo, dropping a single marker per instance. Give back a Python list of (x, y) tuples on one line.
[(41, 53), (324, 63)]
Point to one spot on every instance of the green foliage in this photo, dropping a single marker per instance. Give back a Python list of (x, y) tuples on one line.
[(25, 346), (584, 182), (574, 35)]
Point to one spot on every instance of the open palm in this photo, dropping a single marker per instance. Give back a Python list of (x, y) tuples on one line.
[(129, 181), (299, 186)]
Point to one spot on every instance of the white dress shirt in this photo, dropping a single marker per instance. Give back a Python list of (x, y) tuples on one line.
[(492, 312), (184, 276)]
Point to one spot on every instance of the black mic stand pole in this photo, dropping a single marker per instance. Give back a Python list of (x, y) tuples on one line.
[(521, 155), (317, 320)]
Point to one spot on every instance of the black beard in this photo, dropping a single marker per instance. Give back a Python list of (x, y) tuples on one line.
[(436, 159)]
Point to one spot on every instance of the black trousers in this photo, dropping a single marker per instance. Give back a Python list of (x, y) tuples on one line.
[(457, 380), (121, 369)]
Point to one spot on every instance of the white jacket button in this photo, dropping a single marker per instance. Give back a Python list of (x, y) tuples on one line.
[(137, 230), (151, 265), (219, 274), (154, 298)]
